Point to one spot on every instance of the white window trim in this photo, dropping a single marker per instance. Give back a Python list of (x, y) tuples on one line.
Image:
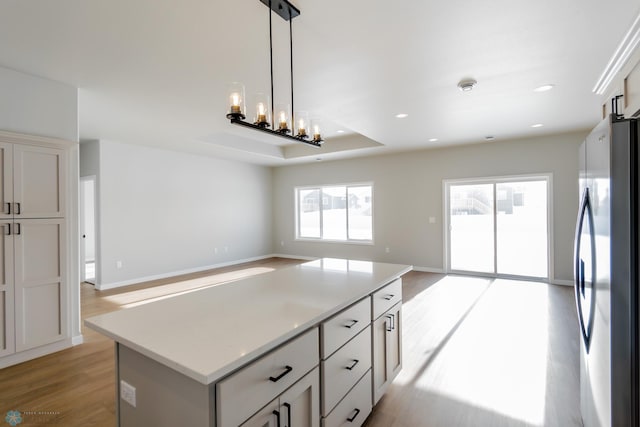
[(296, 191)]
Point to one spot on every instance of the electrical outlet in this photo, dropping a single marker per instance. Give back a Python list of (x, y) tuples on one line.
[(387, 250), (226, 248), (281, 242), (215, 250), (128, 393), (118, 264), (432, 220)]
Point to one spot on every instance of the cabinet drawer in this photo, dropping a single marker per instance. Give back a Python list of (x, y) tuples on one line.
[(343, 369), (386, 298), (344, 326), (241, 394), (354, 408)]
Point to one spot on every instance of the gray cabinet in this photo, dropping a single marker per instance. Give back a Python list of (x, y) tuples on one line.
[(33, 290), (266, 379), (387, 340), (296, 407)]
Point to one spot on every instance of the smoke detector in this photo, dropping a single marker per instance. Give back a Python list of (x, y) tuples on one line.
[(466, 85)]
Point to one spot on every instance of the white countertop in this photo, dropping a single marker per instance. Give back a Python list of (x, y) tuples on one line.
[(209, 333)]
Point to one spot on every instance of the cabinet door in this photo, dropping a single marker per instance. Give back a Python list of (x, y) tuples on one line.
[(40, 294), (6, 179), (7, 340), (38, 182), (394, 358), (300, 404), (269, 416), (387, 350)]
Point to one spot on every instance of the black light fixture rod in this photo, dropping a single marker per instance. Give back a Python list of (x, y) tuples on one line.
[(271, 62), (293, 120), (275, 132)]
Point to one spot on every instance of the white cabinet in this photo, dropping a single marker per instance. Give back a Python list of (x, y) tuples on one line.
[(33, 288), (387, 350), (32, 181), (40, 291), (7, 327), (296, 407)]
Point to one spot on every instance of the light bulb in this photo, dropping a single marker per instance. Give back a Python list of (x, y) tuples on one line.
[(235, 99), (261, 109)]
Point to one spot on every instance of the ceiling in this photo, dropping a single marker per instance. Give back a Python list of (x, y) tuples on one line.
[(156, 72)]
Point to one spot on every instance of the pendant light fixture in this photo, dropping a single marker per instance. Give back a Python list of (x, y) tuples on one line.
[(282, 121)]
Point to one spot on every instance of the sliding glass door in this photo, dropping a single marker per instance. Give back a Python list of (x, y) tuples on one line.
[(499, 226)]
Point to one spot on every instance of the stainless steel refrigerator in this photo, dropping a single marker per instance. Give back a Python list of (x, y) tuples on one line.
[(606, 274)]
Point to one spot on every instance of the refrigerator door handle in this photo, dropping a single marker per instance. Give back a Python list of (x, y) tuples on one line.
[(585, 215)]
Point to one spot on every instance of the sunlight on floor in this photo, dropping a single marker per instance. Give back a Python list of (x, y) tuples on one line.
[(487, 346), (156, 293)]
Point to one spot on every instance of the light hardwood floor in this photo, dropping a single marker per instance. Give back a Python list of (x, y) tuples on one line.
[(476, 353)]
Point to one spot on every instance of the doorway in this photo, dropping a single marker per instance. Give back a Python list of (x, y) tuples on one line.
[(499, 226), (88, 229)]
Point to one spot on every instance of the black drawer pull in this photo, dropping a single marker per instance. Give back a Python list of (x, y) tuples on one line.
[(389, 323), (18, 228), (288, 406), (277, 414), (279, 377), (354, 416), (8, 208), (389, 297), (8, 233), (355, 362), (353, 323), (18, 209)]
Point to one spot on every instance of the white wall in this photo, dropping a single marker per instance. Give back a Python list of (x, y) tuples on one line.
[(163, 212), (408, 190), (38, 106)]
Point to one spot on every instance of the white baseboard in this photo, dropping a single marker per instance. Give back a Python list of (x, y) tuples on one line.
[(561, 282), (105, 286), (306, 258), (77, 340), (23, 356), (428, 269)]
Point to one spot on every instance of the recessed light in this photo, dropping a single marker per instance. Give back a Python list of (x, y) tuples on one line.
[(401, 115), (318, 159), (489, 138), (544, 88), (537, 125), (339, 131), (433, 140)]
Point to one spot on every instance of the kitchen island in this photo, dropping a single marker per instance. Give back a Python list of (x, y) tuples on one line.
[(265, 350)]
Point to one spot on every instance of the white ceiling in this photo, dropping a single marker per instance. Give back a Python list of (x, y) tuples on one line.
[(155, 72)]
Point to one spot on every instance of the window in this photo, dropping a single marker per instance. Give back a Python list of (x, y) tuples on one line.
[(337, 213)]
